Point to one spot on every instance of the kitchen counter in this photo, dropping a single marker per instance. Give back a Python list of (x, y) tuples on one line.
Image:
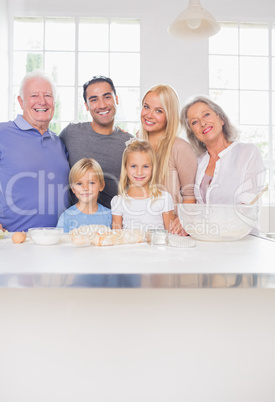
[(137, 323), (244, 263)]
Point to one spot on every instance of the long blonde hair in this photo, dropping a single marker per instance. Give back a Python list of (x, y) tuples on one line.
[(138, 145), (170, 103)]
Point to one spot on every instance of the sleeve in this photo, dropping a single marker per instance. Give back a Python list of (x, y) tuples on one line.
[(116, 205), (186, 164), (61, 221), (109, 218), (255, 174)]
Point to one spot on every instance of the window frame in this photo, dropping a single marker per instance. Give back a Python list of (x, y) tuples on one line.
[(76, 86), (270, 161)]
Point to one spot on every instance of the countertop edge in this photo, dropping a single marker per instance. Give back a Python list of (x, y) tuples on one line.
[(144, 281)]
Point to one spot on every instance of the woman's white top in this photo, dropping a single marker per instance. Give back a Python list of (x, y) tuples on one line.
[(143, 214), (238, 177)]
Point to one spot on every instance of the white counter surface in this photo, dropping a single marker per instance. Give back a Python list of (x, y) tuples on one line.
[(248, 256)]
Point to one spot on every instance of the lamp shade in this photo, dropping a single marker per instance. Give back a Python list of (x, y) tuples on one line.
[(194, 23)]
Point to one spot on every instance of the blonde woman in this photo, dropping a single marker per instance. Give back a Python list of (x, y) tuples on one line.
[(140, 204), (176, 160)]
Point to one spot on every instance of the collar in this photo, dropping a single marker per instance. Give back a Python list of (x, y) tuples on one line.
[(228, 149), (22, 124)]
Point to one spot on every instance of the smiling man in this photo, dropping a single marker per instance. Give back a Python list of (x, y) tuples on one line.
[(99, 139), (34, 167)]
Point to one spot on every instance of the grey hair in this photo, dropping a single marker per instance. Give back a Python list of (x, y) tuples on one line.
[(37, 74), (230, 132)]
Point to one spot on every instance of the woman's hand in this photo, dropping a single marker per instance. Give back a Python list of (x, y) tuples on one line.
[(176, 228), (1, 228)]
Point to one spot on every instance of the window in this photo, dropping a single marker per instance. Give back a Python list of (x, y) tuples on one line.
[(73, 50), (242, 81)]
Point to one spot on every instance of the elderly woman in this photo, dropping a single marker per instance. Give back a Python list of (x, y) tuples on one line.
[(228, 171)]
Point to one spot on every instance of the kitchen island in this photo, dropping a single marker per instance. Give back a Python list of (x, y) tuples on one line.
[(137, 323)]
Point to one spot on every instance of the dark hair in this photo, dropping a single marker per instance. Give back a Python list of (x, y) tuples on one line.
[(98, 78)]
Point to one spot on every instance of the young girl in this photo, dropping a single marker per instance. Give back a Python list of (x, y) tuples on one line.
[(140, 204), (86, 180)]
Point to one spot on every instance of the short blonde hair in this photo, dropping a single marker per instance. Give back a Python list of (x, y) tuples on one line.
[(169, 101), (82, 166), (138, 145)]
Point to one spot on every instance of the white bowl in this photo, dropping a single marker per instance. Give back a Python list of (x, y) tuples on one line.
[(213, 222), (45, 236)]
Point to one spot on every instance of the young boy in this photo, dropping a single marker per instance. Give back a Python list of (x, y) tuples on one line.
[(86, 180)]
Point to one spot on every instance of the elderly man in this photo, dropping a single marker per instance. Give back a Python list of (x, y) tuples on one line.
[(34, 167), (99, 139)]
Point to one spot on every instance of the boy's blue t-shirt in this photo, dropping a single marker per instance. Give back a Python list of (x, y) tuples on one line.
[(73, 218)]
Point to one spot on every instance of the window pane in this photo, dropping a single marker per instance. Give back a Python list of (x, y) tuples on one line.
[(273, 75), (61, 66), (128, 104), (60, 34), (16, 109), (125, 69), (64, 108), (273, 40), (124, 35), (254, 73), (25, 62), (254, 39), (28, 34), (258, 136), (83, 115), (93, 34), (225, 41), (55, 126), (254, 107), (229, 101), (131, 128), (223, 72), (90, 64)]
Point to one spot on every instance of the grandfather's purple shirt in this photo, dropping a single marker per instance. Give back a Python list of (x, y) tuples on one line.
[(34, 174)]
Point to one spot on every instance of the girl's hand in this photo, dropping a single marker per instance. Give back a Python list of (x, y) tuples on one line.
[(116, 222), (1, 228), (176, 228)]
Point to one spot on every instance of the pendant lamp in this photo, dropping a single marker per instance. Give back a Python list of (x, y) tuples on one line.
[(194, 23)]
